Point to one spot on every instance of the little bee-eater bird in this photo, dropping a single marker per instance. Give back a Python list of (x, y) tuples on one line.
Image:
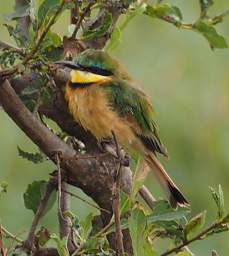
[(102, 97)]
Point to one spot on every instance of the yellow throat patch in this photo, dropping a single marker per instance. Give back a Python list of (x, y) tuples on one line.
[(78, 76)]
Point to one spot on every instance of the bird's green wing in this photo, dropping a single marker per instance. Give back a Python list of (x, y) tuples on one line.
[(134, 106)]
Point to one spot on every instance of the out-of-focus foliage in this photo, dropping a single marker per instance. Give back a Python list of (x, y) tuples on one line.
[(190, 88)]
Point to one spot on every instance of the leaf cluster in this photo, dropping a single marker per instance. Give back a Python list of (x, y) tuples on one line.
[(146, 227)]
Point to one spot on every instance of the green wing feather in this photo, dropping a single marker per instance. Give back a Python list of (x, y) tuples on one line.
[(132, 104)]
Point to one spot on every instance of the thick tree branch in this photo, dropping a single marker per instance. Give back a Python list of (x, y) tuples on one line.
[(147, 196), (91, 175), (80, 171)]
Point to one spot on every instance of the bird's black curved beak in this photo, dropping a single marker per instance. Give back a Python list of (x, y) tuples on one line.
[(68, 64)]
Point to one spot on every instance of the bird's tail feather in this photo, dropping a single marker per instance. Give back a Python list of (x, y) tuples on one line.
[(174, 194)]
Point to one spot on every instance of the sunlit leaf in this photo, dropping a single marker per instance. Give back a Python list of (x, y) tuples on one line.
[(137, 224), (115, 39), (61, 245), (86, 226), (51, 40), (184, 253), (148, 249), (101, 30), (169, 13), (126, 203), (164, 212), (33, 157), (21, 11), (219, 200), (209, 32), (34, 193), (46, 10), (195, 224), (15, 32)]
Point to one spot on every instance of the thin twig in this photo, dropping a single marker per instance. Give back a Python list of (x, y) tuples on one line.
[(74, 13), (14, 69), (29, 243), (116, 201), (104, 229), (43, 34), (3, 251), (195, 238), (81, 18), (10, 235), (85, 201), (59, 185), (65, 225)]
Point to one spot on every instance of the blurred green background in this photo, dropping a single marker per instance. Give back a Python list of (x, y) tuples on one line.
[(189, 85)]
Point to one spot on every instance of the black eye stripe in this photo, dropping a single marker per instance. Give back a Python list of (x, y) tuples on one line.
[(96, 70), (80, 85)]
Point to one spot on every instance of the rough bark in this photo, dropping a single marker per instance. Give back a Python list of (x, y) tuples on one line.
[(92, 175)]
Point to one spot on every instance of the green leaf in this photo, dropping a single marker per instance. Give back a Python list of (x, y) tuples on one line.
[(51, 40), (15, 32), (46, 10), (209, 32), (219, 200), (34, 193), (61, 245), (137, 225), (148, 249), (21, 11), (86, 226), (101, 30), (195, 224), (139, 176), (33, 11), (184, 253), (125, 203), (164, 212), (33, 157), (169, 13), (115, 39), (204, 5), (8, 57)]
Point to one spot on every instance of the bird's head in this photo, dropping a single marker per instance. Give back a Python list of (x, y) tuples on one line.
[(94, 66)]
